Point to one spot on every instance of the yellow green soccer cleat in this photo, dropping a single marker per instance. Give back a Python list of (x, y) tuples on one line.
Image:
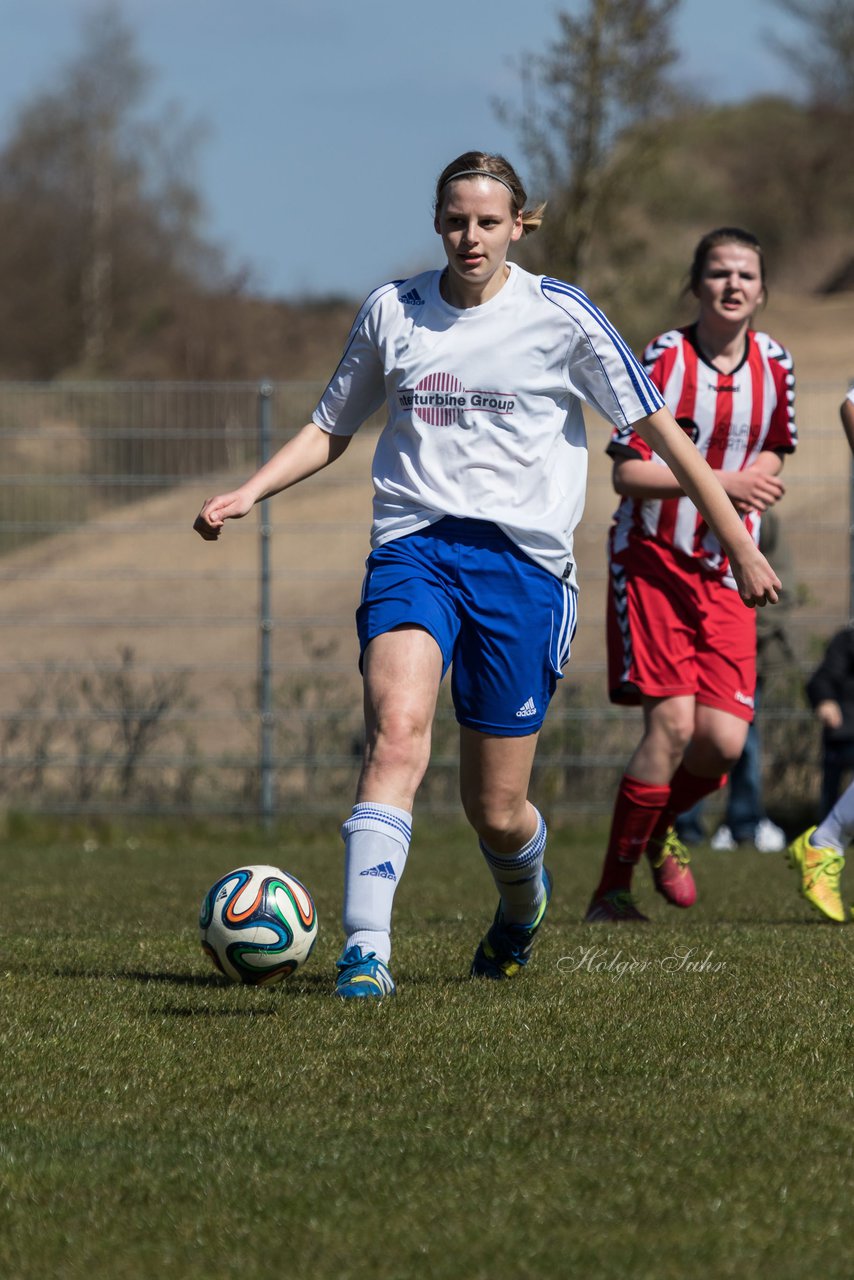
[(819, 870), (507, 948)]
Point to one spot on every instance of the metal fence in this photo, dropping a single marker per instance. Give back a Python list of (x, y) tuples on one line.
[(144, 671)]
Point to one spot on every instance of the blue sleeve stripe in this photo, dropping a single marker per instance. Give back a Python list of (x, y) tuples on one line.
[(647, 392), (365, 310)]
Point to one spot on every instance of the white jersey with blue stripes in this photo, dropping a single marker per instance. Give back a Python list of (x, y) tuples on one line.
[(484, 406)]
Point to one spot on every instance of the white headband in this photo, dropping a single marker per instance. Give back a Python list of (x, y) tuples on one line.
[(479, 173)]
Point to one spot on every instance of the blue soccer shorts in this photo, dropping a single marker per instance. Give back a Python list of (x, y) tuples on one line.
[(503, 623)]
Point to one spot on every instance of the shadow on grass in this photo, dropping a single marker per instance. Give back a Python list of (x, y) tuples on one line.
[(145, 976), (307, 985), (776, 922), (184, 1011), (211, 981)]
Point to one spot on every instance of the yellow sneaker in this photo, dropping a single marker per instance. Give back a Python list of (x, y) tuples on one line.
[(819, 870)]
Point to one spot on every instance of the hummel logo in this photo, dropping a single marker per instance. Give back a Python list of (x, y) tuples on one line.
[(529, 709), (413, 299), (383, 869)]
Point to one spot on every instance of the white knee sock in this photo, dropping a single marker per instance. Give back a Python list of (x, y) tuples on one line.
[(519, 876), (376, 842), (837, 829)]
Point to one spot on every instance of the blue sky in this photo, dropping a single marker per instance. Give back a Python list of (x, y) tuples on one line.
[(328, 120)]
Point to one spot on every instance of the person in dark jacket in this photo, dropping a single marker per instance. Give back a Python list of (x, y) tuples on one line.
[(830, 690)]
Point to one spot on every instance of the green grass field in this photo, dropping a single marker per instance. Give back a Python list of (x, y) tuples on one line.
[(672, 1100)]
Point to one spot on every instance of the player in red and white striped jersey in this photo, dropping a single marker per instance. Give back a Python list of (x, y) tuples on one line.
[(680, 641)]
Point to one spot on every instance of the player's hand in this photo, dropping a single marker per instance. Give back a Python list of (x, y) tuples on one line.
[(757, 582), (215, 511), (752, 489), (829, 714)]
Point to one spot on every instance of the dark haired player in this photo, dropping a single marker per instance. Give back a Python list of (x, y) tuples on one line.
[(680, 641)]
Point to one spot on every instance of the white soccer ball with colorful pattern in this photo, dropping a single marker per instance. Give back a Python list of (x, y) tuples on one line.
[(258, 924)]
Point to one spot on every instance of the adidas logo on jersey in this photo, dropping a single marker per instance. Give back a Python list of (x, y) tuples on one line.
[(413, 298), (529, 709), (383, 869)]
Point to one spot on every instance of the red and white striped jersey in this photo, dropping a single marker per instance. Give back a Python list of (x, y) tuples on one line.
[(731, 418)]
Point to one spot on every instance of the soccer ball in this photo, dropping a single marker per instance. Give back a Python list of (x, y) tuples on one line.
[(257, 924)]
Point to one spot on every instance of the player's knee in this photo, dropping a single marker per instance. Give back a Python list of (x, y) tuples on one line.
[(400, 741), (497, 819), (716, 755), (671, 736), (725, 755)]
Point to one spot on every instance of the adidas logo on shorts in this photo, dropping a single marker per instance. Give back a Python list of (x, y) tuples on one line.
[(383, 869), (529, 709)]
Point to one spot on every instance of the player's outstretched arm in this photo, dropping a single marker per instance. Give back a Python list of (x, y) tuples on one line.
[(757, 582), (309, 451)]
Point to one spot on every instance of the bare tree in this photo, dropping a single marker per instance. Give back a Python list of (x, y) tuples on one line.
[(99, 222), (603, 80), (824, 58)]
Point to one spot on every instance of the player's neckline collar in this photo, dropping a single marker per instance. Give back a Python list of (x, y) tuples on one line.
[(709, 360), (480, 307)]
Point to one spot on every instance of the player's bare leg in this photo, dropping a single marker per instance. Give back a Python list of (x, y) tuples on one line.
[(717, 742), (669, 724), (402, 672), (495, 774)]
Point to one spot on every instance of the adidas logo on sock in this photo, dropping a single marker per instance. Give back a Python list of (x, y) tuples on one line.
[(529, 709), (383, 869), (413, 298)]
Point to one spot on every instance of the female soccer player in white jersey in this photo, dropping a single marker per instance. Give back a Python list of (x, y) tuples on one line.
[(479, 480), (680, 641)]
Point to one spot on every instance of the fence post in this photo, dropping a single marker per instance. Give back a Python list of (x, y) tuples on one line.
[(265, 619)]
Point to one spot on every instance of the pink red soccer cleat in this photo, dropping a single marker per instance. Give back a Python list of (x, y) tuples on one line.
[(671, 873)]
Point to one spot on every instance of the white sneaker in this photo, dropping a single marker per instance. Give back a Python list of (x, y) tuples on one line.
[(768, 837), (723, 840)]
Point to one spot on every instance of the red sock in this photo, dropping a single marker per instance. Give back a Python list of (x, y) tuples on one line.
[(637, 810), (685, 790)]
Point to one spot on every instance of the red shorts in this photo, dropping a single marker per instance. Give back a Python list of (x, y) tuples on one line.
[(674, 630)]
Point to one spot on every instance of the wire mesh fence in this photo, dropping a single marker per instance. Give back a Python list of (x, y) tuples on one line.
[(144, 671)]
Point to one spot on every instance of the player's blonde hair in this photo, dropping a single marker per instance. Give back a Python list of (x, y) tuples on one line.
[(472, 164)]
